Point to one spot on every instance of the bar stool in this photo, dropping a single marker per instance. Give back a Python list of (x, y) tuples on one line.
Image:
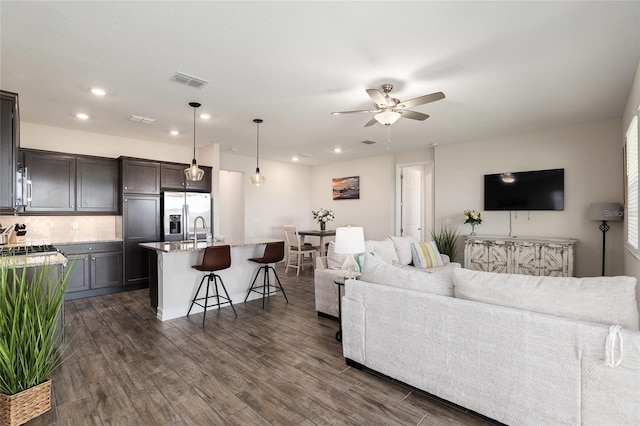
[(273, 252), (215, 258)]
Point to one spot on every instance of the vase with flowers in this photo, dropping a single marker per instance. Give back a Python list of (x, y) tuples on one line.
[(323, 216), (474, 218)]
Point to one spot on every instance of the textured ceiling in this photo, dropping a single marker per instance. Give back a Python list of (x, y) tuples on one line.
[(505, 67)]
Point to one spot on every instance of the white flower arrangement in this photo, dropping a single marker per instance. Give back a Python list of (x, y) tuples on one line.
[(323, 215), (473, 217)]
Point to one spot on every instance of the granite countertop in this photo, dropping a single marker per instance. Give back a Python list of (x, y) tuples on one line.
[(182, 246), (30, 261)]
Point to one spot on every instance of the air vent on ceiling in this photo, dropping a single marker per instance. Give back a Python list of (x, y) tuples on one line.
[(368, 142), (189, 80), (304, 154), (141, 119)]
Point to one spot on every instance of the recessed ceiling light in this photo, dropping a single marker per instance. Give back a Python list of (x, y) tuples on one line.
[(82, 116), (98, 91), (294, 158), (174, 132), (337, 150), (205, 116)]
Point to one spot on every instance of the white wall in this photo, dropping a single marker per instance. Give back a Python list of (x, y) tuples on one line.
[(37, 136), (591, 155), (374, 210), (283, 199), (631, 262)]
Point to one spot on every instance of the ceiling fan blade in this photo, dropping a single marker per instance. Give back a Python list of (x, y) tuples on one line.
[(371, 122), (421, 100), (377, 97), (357, 111), (413, 115)]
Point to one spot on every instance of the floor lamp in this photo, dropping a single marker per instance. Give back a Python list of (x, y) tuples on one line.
[(605, 212)]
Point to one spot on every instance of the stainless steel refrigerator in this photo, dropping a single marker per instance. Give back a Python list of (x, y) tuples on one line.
[(179, 212)]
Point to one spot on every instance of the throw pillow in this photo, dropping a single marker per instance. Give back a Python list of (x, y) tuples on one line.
[(334, 260), (426, 255), (385, 249), (604, 300), (403, 248), (377, 271)]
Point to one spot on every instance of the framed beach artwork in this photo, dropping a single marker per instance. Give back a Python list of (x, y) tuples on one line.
[(346, 188)]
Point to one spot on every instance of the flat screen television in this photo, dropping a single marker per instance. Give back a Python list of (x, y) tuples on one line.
[(533, 190)]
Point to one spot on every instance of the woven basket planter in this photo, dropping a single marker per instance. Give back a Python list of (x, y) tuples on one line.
[(30, 403)]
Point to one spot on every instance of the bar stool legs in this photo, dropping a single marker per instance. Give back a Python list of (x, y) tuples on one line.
[(205, 305), (265, 288)]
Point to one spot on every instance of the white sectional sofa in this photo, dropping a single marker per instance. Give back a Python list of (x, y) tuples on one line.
[(393, 250), (519, 349)]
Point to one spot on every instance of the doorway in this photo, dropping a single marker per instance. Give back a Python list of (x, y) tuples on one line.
[(414, 200)]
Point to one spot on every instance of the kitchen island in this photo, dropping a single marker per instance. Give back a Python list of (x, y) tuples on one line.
[(177, 281)]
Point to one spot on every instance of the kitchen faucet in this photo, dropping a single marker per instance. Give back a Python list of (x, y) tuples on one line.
[(195, 229)]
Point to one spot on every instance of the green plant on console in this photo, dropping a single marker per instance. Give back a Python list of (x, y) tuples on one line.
[(30, 341), (445, 239)]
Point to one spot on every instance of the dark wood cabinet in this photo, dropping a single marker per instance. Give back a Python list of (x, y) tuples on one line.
[(140, 223), (172, 178), (140, 176), (67, 184), (95, 267), (9, 130), (97, 185), (52, 187)]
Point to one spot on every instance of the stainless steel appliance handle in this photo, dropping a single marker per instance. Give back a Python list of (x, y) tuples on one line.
[(185, 216), (29, 184)]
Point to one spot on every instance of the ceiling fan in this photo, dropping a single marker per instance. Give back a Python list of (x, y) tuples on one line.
[(389, 110)]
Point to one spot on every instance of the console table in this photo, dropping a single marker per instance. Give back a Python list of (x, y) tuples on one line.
[(520, 255)]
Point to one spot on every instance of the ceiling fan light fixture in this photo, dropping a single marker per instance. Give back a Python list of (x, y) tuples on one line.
[(387, 118), (194, 173), (257, 179)]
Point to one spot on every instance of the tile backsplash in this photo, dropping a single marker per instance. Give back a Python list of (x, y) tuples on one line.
[(67, 229)]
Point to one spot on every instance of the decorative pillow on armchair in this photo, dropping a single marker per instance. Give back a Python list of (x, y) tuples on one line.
[(426, 255), (334, 260), (403, 248)]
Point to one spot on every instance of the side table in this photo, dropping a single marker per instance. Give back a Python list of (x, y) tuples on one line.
[(339, 282)]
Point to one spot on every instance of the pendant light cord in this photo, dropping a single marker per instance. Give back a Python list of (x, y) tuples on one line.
[(194, 133), (257, 144)]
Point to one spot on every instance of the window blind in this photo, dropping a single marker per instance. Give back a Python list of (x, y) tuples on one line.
[(632, 184)]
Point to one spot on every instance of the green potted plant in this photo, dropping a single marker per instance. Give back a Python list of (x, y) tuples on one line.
[(31, 301), (445, 239)]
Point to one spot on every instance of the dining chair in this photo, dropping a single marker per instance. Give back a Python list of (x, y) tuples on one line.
[(296, 251)]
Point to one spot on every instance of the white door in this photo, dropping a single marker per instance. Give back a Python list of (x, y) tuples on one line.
[(411, 202)]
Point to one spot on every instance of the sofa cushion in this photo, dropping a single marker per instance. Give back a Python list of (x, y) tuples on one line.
[(426, 255), (605, 300), (403, 248), (334, 260), (377, 271), (385, 249)]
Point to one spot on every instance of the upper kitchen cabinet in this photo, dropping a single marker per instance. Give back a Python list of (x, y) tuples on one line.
[(140, 176), (172, 178), (97, 185), (57, 183), (9, 141), (51, 182)]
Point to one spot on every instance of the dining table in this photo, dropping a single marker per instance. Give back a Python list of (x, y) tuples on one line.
[(318, 233)]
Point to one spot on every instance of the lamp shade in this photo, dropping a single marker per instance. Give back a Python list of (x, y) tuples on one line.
[(349, 240), (606, 211), (387, 118)]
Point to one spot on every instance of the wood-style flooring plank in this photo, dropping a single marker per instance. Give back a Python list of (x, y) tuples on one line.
[(280, 365)]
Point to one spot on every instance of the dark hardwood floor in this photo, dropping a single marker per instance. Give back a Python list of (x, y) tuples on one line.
[(281, 366)]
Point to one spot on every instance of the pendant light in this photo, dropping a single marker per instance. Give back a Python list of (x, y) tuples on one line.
[(194, 173), (257, 179)]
